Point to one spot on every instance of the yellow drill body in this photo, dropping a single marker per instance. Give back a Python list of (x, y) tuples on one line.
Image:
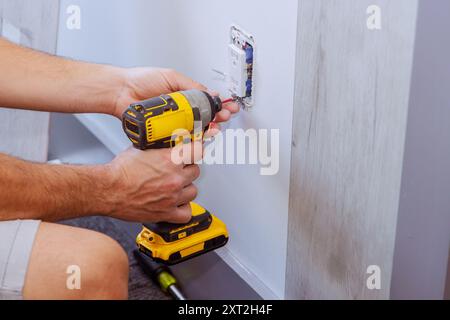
[(160, 123)]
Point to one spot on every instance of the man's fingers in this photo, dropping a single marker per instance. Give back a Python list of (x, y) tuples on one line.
[(214, 128), (233, 107), (191, 173), (188, 194), (214, 125), (182, 214), (193, 152), (187, 153), (227, 110), (197, 151), (222, 116), (178, 81), (212, 93)]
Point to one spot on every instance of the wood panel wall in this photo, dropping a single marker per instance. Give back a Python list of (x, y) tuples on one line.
[(351, 102), (25, 133)]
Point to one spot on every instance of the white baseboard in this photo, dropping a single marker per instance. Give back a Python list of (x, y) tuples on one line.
[(107, 129)]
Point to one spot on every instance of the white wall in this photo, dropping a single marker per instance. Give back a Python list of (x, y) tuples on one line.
[(192, 36), (423, 227)]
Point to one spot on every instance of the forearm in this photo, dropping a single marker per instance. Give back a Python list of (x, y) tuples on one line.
[(51, 192), (38, 81)]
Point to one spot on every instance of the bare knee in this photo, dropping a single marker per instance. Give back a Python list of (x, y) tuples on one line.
[(107, 270), (74, 263)]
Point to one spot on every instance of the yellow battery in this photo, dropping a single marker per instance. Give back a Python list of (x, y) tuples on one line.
[(172, 243)]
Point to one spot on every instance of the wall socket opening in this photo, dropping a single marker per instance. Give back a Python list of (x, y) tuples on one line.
[(241, 66)]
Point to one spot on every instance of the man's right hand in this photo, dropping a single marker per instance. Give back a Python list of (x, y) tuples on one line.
[(147, 186)]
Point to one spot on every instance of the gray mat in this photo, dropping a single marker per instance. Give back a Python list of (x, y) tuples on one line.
[(140, 286)]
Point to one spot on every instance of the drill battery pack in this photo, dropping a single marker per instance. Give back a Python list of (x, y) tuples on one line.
[(171, 243)]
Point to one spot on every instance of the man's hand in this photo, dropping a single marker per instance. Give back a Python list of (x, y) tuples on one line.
[(139, 186), (136, 186), (145, 83), (60, 85), (149, 186)]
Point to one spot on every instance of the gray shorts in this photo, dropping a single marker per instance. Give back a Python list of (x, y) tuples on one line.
[(16, 243)]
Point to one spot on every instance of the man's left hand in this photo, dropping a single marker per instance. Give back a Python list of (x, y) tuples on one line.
[(145, 83)]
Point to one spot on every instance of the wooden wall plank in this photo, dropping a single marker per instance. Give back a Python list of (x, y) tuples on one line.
[(350, 113), (25, 133)]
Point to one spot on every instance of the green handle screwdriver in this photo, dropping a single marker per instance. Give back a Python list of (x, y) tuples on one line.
[(160, 274)]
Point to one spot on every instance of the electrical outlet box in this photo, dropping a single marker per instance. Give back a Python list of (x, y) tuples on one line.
[(241, 53), (238, 70)]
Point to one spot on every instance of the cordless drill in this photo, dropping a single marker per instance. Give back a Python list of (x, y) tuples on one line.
[(151, 124)]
